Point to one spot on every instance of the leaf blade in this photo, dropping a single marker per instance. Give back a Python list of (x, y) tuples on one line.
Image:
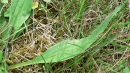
[(19, 12)]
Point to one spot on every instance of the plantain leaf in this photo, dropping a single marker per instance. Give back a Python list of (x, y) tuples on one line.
[(69, 48), (19, 11)]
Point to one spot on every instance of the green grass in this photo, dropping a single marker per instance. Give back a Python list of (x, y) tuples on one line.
[(101, 29)]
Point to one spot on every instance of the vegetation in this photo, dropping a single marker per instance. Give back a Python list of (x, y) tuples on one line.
[(79, 36)]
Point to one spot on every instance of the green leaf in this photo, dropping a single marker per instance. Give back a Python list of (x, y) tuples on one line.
[(122, 63), (2, 20), (19, 12), (126, 70), (3, 67), (70, 48), (1, 55)]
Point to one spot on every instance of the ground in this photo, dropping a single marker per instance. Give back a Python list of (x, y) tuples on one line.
[(61, 20)]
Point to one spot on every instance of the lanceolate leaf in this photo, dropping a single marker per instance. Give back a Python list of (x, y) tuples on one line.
[(69, 48), (18, 14)]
